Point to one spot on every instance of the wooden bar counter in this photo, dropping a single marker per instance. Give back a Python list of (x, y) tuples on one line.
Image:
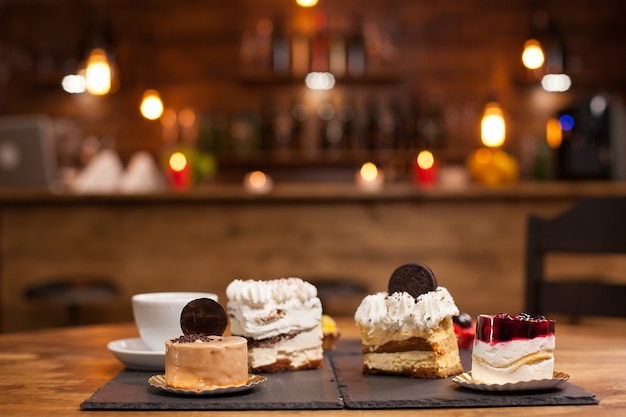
[(330, 234), (51, 372)]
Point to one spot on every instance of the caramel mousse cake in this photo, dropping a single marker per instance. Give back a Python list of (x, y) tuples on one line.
[(281, 320), (203, 359), (408, 330), (200, 362), (510, 349)]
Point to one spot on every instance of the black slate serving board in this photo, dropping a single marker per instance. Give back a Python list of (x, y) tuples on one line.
[(302, 390), (383, 391), (339, 384)]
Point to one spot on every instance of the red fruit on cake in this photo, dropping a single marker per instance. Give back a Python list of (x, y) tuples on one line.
[(465, 330)]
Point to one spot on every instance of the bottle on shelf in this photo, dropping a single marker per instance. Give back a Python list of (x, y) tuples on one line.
[(373, 137), (299, 115), (356, 51), (300, 54), (337, 60), (280, 48), (320, 44)]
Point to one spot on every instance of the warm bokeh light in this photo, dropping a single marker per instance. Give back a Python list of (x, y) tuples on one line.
[(554, 134), (320, 80), (368, 171), (306, 3), (556, 83), (533, 56), (186, 117), (369, 178), (425, 159), (257, 182), (178, 161), (98, 73), (151, 105), (492, 126), (257, 179), (493, 167), (74, 84), (168, 118)]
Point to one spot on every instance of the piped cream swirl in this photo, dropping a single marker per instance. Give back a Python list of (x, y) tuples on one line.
[(263, 309), (400, 311)]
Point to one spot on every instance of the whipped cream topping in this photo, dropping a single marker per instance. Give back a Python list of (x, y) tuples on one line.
[(263, 309), (259, 293), (400, 311)]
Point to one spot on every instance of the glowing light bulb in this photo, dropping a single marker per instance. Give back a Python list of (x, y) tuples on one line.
[(151, 105), (306, 3), (492, 126), (533, 56), (98, 73)]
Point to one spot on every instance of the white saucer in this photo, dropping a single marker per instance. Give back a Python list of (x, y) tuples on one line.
[(135, 355)]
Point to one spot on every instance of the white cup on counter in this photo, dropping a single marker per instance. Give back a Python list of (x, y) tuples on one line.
[(157, 315)]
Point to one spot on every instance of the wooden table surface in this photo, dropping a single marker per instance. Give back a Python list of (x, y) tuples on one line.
[(50, 372)]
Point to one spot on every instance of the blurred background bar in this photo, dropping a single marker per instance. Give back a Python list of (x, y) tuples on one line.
[(178, 146)]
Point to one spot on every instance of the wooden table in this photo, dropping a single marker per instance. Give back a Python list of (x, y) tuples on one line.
[(50, 372)]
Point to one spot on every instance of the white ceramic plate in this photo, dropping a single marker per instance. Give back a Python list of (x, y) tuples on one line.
[(158, 381), (135, 354), (465, 380)]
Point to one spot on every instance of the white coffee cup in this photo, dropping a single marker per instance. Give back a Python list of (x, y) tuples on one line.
[(157, 315)]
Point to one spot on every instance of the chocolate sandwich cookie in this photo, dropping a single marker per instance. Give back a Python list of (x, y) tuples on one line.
[(415, 279), (205, 316)]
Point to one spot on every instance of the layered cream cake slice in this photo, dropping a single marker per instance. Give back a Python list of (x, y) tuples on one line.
[(281, 319), (510, 349), (409, 330)]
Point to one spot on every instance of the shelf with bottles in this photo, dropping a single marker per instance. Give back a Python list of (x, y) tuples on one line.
[(275, 52)]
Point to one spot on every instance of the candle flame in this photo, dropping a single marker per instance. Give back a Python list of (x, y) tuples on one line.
[(369, 172), (257, 179), (425, 159), (178, 161)]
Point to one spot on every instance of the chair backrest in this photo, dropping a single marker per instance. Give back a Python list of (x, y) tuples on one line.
[(595, 225)]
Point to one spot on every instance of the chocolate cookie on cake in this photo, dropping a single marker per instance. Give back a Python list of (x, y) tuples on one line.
[(203, 359), (408, 330), (281, 319), (513, 348)]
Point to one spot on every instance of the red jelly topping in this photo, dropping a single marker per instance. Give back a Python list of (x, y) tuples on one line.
[(503, 327)]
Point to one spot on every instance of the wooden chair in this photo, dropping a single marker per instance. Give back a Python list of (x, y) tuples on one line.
[(595, 225), (74, 292)]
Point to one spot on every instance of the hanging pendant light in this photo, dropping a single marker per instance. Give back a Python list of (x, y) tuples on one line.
[(306, 3), (151, 106), (492, 126), (532, 55), (98, 73)]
